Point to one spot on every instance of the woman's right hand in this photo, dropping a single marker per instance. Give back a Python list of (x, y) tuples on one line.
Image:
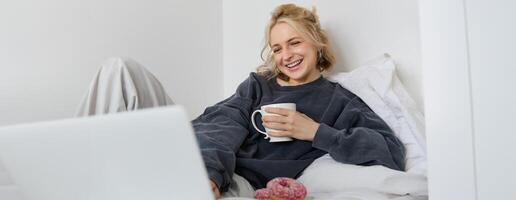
[(215, 190)]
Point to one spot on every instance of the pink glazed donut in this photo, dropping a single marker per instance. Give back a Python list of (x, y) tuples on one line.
[(282, 188)]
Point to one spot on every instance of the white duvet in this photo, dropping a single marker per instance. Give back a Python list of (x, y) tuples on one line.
[(328, 179)]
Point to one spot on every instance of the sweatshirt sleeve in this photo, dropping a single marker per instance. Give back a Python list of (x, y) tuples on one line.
[(220, 132), (361, 137)]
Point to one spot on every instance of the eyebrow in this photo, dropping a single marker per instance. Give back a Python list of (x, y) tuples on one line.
[(297, 37)]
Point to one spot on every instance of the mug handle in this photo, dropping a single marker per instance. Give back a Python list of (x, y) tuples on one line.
[(254, 123)]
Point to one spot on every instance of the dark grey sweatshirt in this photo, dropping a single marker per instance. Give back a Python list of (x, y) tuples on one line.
[(349, 131)]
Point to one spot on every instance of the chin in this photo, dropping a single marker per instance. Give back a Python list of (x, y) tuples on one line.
[(298, 78)]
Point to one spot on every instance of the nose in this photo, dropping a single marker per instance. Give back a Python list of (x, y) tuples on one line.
[(287, 55)]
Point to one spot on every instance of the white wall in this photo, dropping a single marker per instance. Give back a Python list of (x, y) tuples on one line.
[(468, 49), (492, 47), (449, 132), (50, 50), (360, 31)]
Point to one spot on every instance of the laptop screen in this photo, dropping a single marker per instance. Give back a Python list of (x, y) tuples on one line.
[(147, 154)]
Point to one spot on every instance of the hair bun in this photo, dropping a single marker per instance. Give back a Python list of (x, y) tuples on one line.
[(295, 12), (284, 11)]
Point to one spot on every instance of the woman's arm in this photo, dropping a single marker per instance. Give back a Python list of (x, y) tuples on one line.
[(361, 137), (358, 136), (220, 132)]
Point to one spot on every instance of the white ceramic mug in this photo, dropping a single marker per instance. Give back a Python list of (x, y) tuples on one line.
[(290, 106)]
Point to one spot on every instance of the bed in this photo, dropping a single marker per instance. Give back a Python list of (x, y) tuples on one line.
[(377, 83)]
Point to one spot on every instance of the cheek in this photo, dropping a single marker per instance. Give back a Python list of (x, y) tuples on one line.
[(305, 51), (311, 53), (311, 58), (300, 50), (277, 60)]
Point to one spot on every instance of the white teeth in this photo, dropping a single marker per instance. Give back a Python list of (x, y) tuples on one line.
[(293, 64)]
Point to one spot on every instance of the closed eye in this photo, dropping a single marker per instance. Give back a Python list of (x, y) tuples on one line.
[(294, 43)]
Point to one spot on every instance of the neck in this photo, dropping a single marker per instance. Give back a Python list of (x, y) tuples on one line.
[(294, 82)]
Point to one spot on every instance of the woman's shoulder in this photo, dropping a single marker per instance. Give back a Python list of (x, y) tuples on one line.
[(341, 91), (257, 77), (253, 79), (252, 86)]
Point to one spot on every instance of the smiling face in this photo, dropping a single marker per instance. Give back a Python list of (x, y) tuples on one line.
[(294, 56)]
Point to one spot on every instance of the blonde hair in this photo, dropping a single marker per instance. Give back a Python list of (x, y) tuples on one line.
[(304, 22)]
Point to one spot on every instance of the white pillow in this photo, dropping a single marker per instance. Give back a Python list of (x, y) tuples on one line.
[(377, 84)]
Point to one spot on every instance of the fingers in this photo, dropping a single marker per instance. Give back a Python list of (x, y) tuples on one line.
[(279, 111), (277, 119), (216, 193), (277, 126), (215, 190), (276, 133), (288, 123), (304, 116)]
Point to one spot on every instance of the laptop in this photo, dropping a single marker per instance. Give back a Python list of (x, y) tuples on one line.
[(147, 154)]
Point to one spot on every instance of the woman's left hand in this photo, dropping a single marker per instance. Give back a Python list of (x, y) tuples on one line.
[(289, 123)]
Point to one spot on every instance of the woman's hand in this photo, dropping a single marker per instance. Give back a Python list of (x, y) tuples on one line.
[(215, 190), (289, 123)]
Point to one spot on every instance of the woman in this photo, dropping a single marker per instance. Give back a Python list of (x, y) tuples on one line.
[(329, 118)]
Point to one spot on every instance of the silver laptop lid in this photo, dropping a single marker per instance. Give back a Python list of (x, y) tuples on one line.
[(148, 154)]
